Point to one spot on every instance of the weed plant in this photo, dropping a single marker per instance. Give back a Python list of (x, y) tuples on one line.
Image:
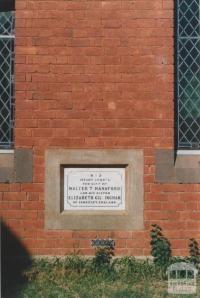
[(161, 248)]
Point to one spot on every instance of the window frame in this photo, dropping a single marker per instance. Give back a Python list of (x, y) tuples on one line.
[(187, 128), (7, 39)]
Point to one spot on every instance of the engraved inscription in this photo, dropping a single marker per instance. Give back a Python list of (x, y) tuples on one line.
[(94, 189)]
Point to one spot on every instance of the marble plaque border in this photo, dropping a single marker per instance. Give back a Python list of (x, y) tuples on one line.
[(102, 207), (131, 218)]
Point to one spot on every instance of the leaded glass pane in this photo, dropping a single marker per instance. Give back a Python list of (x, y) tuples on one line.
[(7, 23), (6, 78), (188, 73)]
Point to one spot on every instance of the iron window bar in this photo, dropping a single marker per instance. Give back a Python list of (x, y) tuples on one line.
[(188, 74), (7, 41)]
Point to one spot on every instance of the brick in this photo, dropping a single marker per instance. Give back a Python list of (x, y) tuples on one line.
[(32, 205), (135, 243), (153, 206), (123, 252), (173, 206), (30, 223), (84, 243), (120, 243), (4, 205), (36, 187), (84, 234), (179, 244), (122, 235), (14, 196), (11, 214), (13, 223)]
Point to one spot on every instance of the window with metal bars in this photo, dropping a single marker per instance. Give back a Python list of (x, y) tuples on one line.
[(7, 37), (188, 73)]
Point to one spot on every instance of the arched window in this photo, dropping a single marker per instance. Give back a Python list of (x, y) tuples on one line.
[(7, 36), (188, 74)]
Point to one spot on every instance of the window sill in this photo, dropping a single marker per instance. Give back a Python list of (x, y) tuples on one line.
[(177, 168), (6, 151), (188, 152)]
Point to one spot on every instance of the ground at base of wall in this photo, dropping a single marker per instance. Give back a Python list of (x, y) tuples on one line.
[(84, 277)]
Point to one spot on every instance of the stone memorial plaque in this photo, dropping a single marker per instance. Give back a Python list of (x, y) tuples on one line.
[(94, 188)]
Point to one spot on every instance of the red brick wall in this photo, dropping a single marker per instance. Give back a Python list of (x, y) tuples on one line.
[(96, 74)]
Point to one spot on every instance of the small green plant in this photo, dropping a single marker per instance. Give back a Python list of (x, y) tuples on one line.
[(161, 250), (103, 257), (194, 252)]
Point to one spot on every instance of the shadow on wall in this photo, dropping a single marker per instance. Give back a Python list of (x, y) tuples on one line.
[(14, 260)]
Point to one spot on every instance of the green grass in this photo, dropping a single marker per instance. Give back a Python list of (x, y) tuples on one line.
[(75, 277)]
